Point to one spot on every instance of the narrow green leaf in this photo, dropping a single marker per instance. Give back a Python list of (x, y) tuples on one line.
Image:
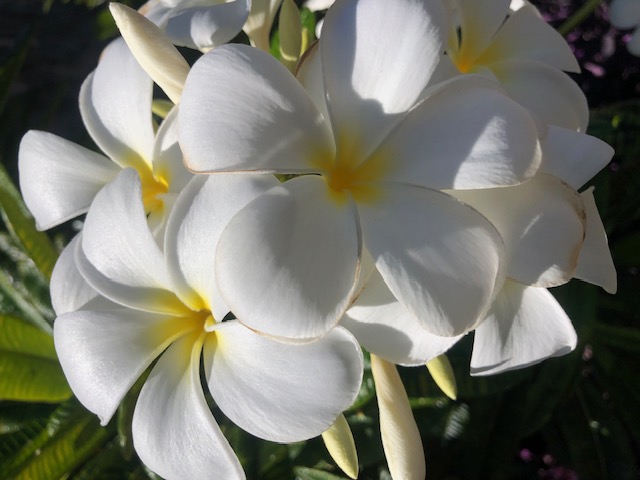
[(304, 473), (24, 308), (29, 369), (627, 339), (21, 223)]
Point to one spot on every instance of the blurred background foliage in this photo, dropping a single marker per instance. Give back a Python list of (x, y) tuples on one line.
[(574, 417)]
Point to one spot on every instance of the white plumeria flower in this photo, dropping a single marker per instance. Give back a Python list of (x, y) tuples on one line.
[(626, 14), (375, 160), (166, 304), (59, 178), (525, 54), (198, 24)]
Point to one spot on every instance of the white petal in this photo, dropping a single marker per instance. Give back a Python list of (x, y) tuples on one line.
[(468, 134), (400, 436), (168, 163), (525, 326), (377, 57), (526, 36), (316, 5), (385, 328), (573, 157), (433, 251), (542, 224), (595, 264), (480, 19), (115, 103), (624, 13), (104, 352), (69, 290), (309, 74), (119, 256), (207, 26), (282, 392), (549, 94), (287, 263), (152, 49), (58, 178), (174, 432), (199, 216), (633, 45), (258, 117)]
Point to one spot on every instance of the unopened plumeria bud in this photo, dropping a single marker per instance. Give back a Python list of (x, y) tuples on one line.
[(400, 436), (341, 446), (152, 49), (258, 25), (290, 34), (442, 373)]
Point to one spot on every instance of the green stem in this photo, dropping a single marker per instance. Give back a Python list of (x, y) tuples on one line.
[(580, 16)]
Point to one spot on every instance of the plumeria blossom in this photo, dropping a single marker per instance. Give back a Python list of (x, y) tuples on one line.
[(626, 14), (198, 24), (164, 304), (59, 179), (371, 161), (525, 54)]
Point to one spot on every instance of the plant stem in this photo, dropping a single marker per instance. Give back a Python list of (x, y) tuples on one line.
[(578, 17)]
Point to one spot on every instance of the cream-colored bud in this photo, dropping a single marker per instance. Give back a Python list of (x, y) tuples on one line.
[(442, 373)]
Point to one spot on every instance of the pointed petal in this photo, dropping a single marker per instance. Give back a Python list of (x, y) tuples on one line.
[(258, 117), (377, 57), (69, 290), (152, 49), (208, 26), (115, 103), (595, 264), (400, 436), (119, 256), (479, 21), (104, 352), (549, 94), (468, 134), (526, 36), (542, 224), (174, 432), (385, 328), (288, 262), (202, 211), (309, 74), (245, 374), (525, 326), (573, 157), (432, 251), (58, 178)]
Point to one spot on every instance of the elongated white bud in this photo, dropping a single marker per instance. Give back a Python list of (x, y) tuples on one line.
[(339, 442), (153, 50), (400, 436)]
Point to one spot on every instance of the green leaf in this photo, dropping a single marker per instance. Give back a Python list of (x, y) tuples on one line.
[(20, 304), (29, 369), (304, 473), (20, 222), (627, 339)]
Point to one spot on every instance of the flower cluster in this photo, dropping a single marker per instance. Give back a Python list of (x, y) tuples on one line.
[(418, 178)]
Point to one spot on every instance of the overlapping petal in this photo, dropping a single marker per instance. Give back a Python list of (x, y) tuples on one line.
[(198, 218), (104, 352), (115, 103), (168, 163), (174, 432), (433, 251), (247, 379), (58, 178), (546, 92), (119, 256), (595, 264), (480, 19), (68, 288), (542, 224), (467, 134), (525, 326), (377, 57), (573, 157), (385, 328), (297, 253), (258, 117)]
